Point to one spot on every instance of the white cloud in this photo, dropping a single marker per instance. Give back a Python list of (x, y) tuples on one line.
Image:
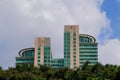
[(118, 0), (110, 52), (22, 20), (86, 13)]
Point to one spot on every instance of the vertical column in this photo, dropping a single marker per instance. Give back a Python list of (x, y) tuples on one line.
[(42, 51), (77, 47), (71, 48), (36, 53)]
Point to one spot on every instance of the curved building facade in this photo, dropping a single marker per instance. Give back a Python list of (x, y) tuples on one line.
[(88, 49), (78, 49), (26, 56)]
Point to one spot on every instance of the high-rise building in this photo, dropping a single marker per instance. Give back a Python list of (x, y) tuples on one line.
[(71, 46), (78, 49), (43, 53)]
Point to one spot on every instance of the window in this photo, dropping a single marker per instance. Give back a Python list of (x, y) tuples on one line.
[(38, 47)]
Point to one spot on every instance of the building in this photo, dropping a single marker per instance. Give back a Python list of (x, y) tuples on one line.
[(57, 63), (26, 56), (78, 48), (88, 49), (42, 51), (71, 46)]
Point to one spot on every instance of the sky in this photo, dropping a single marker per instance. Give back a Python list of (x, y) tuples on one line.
[(23, 20)]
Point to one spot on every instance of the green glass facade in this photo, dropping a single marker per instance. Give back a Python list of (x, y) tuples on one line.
[(78, 48), (71, 46), (67, 49), (38, 61), (42, 51), (47, 56), (88, 49), (57, 63), (26, 57)]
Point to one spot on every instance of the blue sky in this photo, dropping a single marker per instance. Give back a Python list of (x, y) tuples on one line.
[(112, 8), (23, 20), (111, 46)]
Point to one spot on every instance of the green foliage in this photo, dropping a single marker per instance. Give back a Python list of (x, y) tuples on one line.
[(86, 72)]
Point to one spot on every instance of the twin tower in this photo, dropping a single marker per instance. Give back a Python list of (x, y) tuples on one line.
[(78, 48)]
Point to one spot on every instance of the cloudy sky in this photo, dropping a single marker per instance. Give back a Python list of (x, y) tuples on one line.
[(23, 20)]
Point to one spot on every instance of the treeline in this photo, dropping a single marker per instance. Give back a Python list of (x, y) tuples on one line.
[(86, 72)]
